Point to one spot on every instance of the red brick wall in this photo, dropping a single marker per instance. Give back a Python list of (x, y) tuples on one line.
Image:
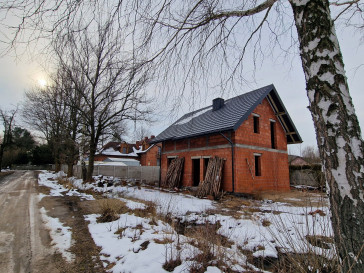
[(100, 157), (150, 157), (274, 162), (245, 133)]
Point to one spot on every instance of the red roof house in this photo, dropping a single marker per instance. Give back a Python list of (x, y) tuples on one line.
[(250, 132)]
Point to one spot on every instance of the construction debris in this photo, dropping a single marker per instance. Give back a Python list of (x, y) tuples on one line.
[(211, 184), (174, 173)]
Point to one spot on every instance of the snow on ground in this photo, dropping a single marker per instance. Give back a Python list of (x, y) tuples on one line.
[(49, 180), (60, 234), (129, 243), (177, 204)]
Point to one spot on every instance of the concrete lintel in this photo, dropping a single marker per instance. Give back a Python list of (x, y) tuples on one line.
[(260, 148), (224, 146)]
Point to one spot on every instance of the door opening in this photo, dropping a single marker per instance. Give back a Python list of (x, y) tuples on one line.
[(205, 163), (196, 172)]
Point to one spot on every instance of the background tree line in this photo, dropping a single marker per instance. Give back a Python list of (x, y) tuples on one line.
[(18, 146)]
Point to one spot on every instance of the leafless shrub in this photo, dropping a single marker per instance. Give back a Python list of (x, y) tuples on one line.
[(209, 248), (64, 181), (171, 264), (305, 246), (172, 249)]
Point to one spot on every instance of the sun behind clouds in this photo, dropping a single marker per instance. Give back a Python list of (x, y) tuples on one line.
[(42, 83)]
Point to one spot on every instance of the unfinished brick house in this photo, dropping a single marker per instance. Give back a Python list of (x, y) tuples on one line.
[(250, 132)]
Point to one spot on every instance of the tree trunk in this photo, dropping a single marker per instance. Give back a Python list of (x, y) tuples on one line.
[(70, 169), (337, 128), (91, 160), (1, 155)]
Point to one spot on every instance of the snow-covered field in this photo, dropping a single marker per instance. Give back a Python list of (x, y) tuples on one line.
[(146, 243)]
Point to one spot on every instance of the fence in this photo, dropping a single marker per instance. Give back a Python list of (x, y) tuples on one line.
[(146, 174), (48, 167), (307, 175)]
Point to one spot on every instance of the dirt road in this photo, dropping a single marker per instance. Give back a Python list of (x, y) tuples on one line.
[(24, 243)]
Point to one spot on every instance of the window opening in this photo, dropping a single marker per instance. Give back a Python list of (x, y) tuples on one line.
[(273, 134), (258, 170), (256, 124)]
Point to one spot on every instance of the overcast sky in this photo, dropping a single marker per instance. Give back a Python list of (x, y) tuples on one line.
[(18, 75)]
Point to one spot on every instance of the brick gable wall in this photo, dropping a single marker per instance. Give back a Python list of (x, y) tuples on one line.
[(274, 162)]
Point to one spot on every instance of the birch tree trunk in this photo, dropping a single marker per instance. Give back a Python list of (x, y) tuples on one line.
[(337, 128)]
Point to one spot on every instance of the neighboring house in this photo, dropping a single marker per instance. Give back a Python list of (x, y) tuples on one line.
[(250, 132), (117, 150), (141, 153), (149, 154), (298, 161)]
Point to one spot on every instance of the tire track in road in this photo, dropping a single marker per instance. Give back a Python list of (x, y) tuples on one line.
[(21, 247)]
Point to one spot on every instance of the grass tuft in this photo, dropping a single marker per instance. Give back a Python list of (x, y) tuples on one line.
[(110, 210)]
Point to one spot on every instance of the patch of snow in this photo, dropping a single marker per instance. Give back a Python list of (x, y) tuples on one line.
[(132, 204), (41, 195), (49, 180), (195, 114), (61, 235)]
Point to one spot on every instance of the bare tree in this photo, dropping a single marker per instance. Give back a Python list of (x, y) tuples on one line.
[(109, 84), (311, 154), (141, 132), (52, 111), (7, 118)]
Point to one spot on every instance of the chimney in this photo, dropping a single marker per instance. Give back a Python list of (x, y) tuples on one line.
[(217, 104), (152, 136), (146, 138)]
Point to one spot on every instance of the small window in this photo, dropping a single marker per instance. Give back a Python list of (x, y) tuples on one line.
[(256, 124), (273, 134), (258, 165), (124, 150)]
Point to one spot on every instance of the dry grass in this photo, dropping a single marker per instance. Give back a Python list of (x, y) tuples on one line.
[(65, 182), (163, 241), (171, 264), (210, 248), (295, 198), (266, 223), (150, 210), (110, 210)]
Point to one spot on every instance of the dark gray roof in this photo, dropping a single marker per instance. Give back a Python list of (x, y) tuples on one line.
[(234, 112)]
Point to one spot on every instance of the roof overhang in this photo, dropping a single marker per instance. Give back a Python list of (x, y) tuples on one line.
[(282, 115)]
